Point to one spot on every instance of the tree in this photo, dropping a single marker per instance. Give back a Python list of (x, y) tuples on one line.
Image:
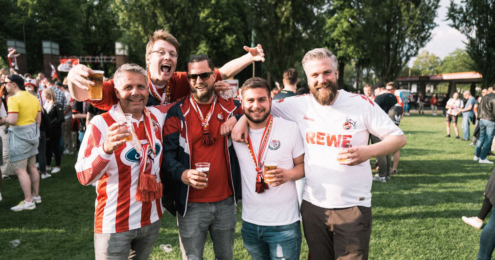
[(475, 19), (426, 64), (456, 61), (394, 31)]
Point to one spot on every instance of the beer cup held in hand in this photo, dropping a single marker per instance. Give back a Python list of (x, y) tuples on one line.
[(269, 178), (343, 146), (204, 167), (95, 91), (126, 124)]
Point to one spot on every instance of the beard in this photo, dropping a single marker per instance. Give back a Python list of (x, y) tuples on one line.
[(256, 121), (325, 98), (203, 95)]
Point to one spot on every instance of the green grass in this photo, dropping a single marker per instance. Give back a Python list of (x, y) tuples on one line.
[(416, 215)]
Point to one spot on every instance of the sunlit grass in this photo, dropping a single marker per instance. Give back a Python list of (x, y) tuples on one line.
[(416, 215)]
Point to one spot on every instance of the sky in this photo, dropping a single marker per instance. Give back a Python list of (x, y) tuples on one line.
[(445, 39)]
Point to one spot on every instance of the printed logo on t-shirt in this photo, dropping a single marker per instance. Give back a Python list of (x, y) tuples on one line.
[(274, 145), (349, 123), (327, 139), (309, 119), (133, 156)]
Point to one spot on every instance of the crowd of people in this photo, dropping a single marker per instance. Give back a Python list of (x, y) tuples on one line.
[(161, 140)]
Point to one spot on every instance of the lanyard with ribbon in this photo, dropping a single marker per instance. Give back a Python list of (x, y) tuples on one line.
[(165, 98), (207, 138), (149, 185), (261, 186)]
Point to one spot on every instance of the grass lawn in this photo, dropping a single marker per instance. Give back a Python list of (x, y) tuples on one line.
[(416, 215)]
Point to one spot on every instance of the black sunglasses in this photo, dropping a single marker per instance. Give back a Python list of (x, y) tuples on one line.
[(203, 76)]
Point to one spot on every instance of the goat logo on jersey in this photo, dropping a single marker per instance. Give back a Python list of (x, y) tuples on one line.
[(349, 123), (133, 156), (156, 126), (274, 145)]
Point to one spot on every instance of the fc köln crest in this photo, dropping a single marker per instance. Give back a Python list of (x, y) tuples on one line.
[(349, 123), (274, 145)]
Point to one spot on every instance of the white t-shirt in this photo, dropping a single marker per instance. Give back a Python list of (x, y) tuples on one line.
[(349, 120), (454, 106), (3, 113), (69, 100), (278, 205)]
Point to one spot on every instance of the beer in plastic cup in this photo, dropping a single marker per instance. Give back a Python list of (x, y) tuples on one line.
[(342, 147), (270, 178), (126, 124), (95, 91), (204, 167)]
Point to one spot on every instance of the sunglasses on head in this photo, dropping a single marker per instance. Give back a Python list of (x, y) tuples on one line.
[(203, 76)]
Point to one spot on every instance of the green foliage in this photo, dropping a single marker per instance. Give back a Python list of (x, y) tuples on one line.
[(474, 19), (426, 64), (456, 61), (394, 31)]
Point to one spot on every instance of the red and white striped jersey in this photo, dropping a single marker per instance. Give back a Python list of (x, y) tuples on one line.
[(117, 174)]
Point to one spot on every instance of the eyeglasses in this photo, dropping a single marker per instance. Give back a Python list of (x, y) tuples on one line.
[(162, 53), (204, 76)]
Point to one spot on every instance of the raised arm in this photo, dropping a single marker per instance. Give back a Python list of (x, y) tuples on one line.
[(235, 66), (78, 82)]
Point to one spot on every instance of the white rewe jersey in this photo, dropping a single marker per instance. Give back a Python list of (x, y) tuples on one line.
[(117, 174), (349, 120)]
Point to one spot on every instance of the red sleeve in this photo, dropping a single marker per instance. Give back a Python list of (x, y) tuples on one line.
[(179, 85), (109, 98)]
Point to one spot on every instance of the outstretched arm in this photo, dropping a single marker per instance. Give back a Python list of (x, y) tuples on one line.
[(235, 66)]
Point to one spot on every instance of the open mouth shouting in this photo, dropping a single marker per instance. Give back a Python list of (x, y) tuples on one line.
[(165, 68)]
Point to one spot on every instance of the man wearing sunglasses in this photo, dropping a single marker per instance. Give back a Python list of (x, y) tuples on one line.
[(192, 135), (165, 84)]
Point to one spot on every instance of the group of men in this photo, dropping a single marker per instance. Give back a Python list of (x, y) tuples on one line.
[(302, 136)]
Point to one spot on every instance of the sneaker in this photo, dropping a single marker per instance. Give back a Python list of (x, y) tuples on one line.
[(471, 144), (380, 179), (464, 139), (45, 175), (48, 168), (1, 196), (66, 151), (486, 161), (388, 177), (457, 137), (5, 177), (24, 205), (473, 221), (55, 170), (448, 136), (476, 158), (37, 199), (37, 165), (393, 172)]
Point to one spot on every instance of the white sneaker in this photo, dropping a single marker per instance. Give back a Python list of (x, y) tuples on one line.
[(24, 205), (37, 199), (380, 179), (1, 196), (476, 158), (38, 165), (472, 221), (55, 170), (48, 168), (486, 161), (46, 175)]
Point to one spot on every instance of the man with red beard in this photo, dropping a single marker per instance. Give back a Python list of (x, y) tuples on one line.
[(165, 84), (203, 203), (335, 124)]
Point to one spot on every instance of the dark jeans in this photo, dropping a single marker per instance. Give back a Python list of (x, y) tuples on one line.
[(41, 156), (487, 240), (337, 233), (53, 147), (383, 161)]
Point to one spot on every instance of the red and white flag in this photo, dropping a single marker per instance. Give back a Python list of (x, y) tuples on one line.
[(54, 72)]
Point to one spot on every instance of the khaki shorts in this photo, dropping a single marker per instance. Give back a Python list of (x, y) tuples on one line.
[(22, 164)]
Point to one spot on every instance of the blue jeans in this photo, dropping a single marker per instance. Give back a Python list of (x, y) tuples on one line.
[(484, 143), (466, 120), (272, 242), (487, 240), (219, 218)]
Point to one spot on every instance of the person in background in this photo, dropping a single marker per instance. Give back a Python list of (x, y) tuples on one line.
[(443, 104), (56, 115), (24, 119), (434, 104), (453, 106), (289, 81), (421, 104), (467, 114)]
